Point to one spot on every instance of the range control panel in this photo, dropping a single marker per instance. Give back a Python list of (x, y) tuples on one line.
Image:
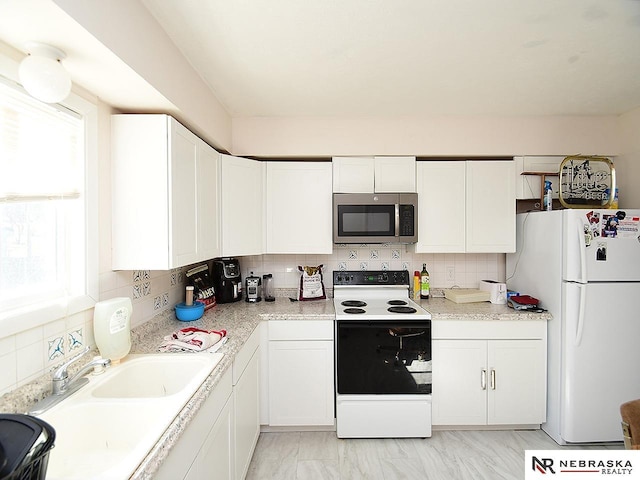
[(371, 277)]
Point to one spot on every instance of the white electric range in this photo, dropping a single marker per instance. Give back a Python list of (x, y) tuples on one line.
[(383, 357)]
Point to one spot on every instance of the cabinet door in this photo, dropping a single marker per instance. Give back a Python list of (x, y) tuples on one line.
[(517, 379), (216, 454), (459, 382), (301, 383), (183, 196), (441, 207), (208, 202), (395, 174), (242, 206), (299, 208), (490, 206), (353, 174), (246, 417)]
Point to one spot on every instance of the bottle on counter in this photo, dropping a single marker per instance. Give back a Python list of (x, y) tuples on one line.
[(416, 285), (548, 199), (424, 282)]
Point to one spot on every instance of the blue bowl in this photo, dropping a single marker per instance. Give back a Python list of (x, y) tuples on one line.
[(188, 313)]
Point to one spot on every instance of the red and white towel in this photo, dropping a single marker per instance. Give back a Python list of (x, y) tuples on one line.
[(192, 339)]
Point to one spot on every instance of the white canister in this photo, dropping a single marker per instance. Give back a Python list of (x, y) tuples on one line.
[(112, 327)]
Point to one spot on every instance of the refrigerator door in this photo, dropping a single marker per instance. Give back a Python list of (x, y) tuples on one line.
[(600, 247), (600, 359)]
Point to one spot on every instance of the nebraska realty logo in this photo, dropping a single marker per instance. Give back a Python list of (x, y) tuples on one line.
[(584, 464)]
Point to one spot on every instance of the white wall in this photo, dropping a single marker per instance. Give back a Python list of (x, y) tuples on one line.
[(628, 163), (426, 136), (131, 33)]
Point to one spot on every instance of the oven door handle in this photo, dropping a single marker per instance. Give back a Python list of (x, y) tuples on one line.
[(405, 335), (483, 379)]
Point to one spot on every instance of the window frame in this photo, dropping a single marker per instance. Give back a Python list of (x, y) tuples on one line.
[(42, 312)]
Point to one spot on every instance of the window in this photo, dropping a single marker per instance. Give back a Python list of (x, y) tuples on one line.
[(46, 255)]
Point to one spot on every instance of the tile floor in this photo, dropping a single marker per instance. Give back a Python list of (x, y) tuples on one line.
[(447, 455)]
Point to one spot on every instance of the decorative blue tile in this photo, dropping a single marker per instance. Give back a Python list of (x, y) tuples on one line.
[(56, 348), (137, 276), (137, 291), (384, 266), (406, 265), (157, 303), (174, 279), (373, 254), (165, 299), (395, 254), (146, 274), (342, 266), (146, 288), (364, 266), (353, 254), (76, 339)]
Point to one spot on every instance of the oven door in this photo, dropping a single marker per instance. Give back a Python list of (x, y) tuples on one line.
[(383, 357)]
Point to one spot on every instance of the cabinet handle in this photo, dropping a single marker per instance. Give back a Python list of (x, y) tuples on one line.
[(483, 379), (493, 379)]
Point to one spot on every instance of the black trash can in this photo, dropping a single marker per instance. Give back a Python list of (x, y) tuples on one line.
[(25, 443)]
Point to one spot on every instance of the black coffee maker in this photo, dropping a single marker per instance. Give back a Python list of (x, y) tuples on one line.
[(227, 280)]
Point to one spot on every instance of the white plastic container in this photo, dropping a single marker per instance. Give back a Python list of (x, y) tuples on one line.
[(112, 327)]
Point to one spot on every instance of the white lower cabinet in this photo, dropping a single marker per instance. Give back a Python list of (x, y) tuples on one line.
[(246, 416), (220, 440), (301, 386), (207, 441), (501, 381)]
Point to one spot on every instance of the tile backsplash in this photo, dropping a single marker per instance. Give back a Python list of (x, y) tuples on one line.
[(445, 270), (32, 353)]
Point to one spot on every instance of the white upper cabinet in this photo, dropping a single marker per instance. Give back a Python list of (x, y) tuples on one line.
[(353, 174), (241, 185), (162, 175), (441, 207), (207, 175), (299, 207), (374, 174), (466, 206), (395, 174), (491, 207)]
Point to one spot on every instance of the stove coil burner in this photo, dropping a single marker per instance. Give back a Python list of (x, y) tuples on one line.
[(396, 302), (354, 310), (353, 303), (401, 310)]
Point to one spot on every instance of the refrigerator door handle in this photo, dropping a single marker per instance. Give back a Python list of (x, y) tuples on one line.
[(581, 311), (582, 248)]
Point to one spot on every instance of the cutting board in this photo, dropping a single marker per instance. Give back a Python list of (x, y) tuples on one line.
[(467, 295)]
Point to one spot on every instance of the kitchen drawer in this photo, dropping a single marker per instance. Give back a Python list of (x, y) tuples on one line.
[(489, 329), (301, 330)]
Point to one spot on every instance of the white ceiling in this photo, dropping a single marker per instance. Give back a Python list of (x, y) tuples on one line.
[(411, 57), (371, 57)]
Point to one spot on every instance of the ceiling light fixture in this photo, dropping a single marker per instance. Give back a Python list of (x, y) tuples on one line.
[(42, 74)]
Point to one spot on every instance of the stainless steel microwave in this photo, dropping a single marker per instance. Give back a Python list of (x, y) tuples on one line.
[(375, 217)]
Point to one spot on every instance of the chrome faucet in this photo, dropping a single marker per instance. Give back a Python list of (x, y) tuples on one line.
[(64, 386)]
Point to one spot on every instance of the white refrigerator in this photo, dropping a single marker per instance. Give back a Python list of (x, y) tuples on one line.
[(584, 267)]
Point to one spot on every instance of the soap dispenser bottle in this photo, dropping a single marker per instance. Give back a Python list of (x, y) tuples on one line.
[(112, 327)]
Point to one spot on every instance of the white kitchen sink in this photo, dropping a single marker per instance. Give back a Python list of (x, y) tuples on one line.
[(155, 375), (106, 428)]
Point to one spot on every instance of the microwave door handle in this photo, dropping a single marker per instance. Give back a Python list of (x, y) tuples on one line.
[(397, 225)]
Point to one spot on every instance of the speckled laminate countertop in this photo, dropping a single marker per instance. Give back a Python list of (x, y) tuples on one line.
[(240, 320), (443, 309)]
